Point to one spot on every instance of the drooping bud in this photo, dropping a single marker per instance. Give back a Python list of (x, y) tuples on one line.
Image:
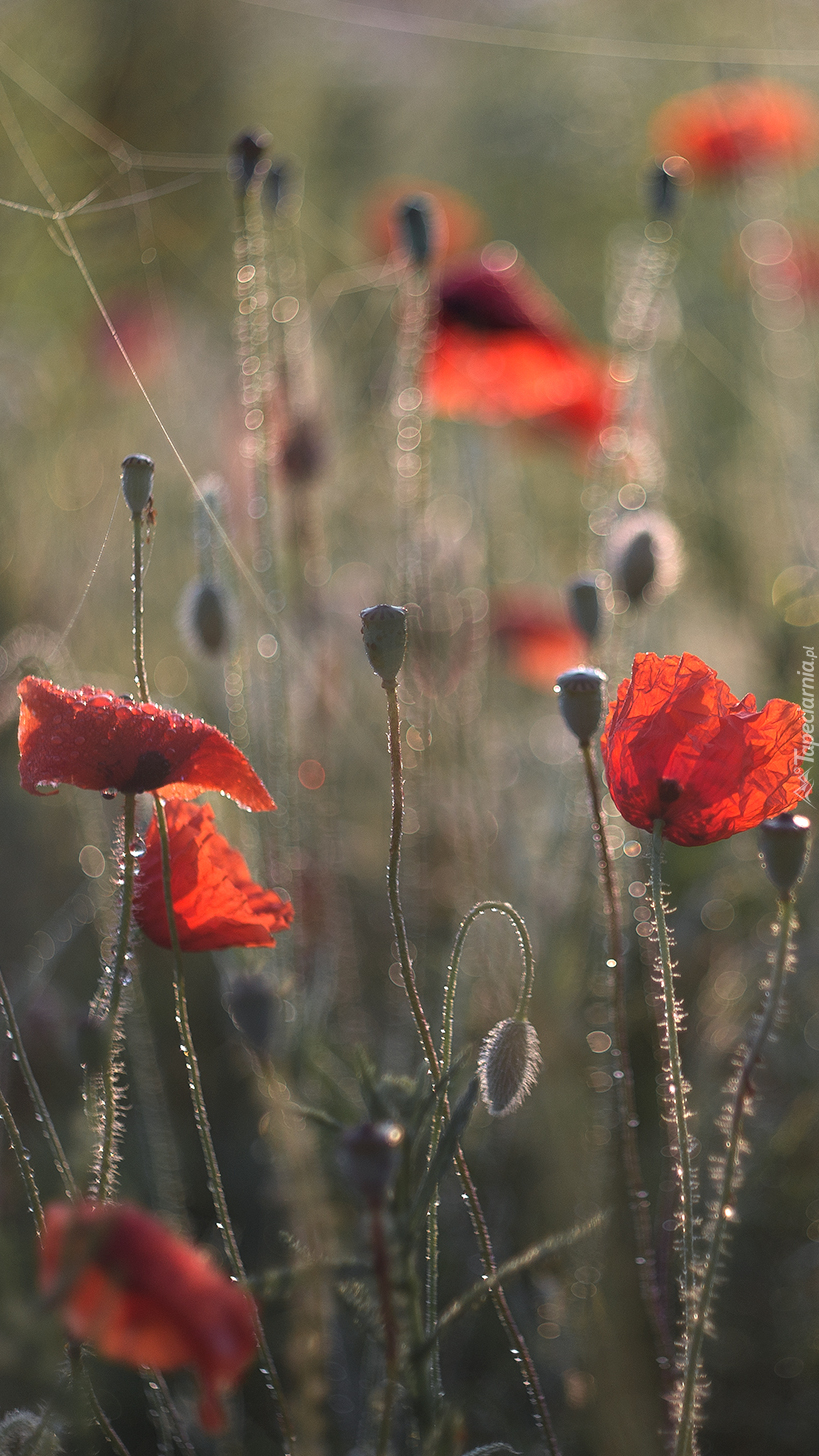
[(415, 222), (205, 619), (580, 694), (584, 605), (368, 1156), (508, 1065), (304, 452), (783, 845), (384, 630), (252, 1004), (137, 482), (644, 556), (664, 180), (246, 153)]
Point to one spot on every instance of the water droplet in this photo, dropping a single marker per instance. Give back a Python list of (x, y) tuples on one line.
[(137, 847), (109, 793)]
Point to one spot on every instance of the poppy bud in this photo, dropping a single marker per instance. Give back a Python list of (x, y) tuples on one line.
[(584, 605), (304, 453), (246, 153), (276, 186), (252, 1005), (508, 1065), (137, 482), (580, 694), (644, 555), (368, 1156), (205, 619), (384, 630), (664, 179), (23, 1430), (783, 844), (415, 224)]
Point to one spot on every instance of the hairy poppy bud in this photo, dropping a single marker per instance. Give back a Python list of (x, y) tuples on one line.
[(368, 1156), (246, 153), (252, 1004), (508, 1065), (137, 482), (304, 453), (584, 605), (415, 223), (644, 555), (205, 619), (384, 630), (23, 1430), (783, 844), (580, 694), (664, 180)]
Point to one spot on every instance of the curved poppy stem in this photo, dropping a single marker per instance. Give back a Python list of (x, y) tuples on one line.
[(203, 1128), (743, 1096), (383, 1279), (20, 1151), (139, 646), (639, 1206), (60, 1160), (513, 1334), (108, 1150), (675, 1083)]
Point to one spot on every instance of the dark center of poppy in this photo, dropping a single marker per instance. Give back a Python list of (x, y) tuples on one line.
[(668, 790), (151, 772)]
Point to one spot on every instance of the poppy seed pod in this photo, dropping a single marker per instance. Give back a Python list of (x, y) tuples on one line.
[(580, 694), (783, 845), (368, 1156), (384, 630), (508, 1065), (137, 482), (584, 605), (416, 224)]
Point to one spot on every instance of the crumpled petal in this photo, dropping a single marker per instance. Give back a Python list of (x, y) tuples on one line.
[(142, 1296), (97, 740), (678, 746), (215, 899)]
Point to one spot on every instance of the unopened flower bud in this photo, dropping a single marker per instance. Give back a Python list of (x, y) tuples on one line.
[(137, 482), (580, 694), (384, 630), (25, 1430), (783, 844), (205, 619), (664, 181), (252, 1004), (368, 1155), (246, 153), (415, 223), (304, 453), (644, 555), (508, 1065), (276, 185), (584, 605)]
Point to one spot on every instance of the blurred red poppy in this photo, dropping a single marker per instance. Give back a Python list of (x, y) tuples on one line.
[(216, 902), (738, 124), (140, 1295), (146, 338), (97, 740), (457, 223), (678, 746), (504, 351), (538, 640)]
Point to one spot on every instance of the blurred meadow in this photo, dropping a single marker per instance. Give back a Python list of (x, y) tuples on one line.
[(543, 150)]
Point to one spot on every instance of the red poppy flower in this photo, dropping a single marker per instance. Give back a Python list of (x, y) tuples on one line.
[(457, 223), (142, 1296), (735, 124), (538, 640), (97, 740), (504, 351), (216, 902), (678, 746)]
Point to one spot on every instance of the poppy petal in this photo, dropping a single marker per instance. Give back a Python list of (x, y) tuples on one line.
[(216, 901), (678, 746), (736, 124), (97, 740)]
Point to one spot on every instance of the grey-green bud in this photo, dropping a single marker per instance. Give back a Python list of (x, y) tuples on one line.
[(368, 1155), (584, 605), (415, 223), (137, 482), (508, 1065), (783, 844), (384, 630), (580, 693)]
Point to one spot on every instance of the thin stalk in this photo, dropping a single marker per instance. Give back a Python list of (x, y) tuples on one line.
[(108, 1154), (517, 1344), (139, 652), (383, 1279), (82, 1378), (674, 1075), (61, 1162), (203, 1128), (628, 1119), (742, 1098), (24, 1164)]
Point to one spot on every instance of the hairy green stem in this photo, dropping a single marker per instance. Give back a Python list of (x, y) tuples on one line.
[(383, 1279), (24, 1164), (628, 1119), (517, 1344), (743, 1096), (108, 1152), (139, 652), (61, 1162), (203, 1128), (674, 1075)]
